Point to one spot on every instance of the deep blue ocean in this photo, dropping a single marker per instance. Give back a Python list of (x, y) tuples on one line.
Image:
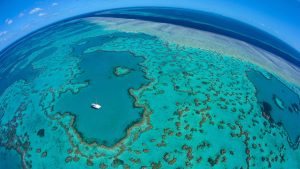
[(198, 20), (210, 22)]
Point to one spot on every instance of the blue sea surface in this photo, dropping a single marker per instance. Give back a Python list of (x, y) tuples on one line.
[(278, 101), (189, 102), (9, 159), (208, 22), (108, 124)]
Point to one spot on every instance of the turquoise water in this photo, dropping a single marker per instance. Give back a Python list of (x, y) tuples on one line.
[(198, 108), (9, 159), (107, 125), (280, 103)]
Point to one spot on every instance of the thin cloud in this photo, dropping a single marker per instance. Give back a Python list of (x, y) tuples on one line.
[(35, 10), (41, 14), (21, 14), (3, 33), (25, 27), (9, 21), (54, 4), (3, 39)]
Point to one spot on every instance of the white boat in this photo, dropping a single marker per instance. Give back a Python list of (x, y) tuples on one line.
[(95, 106)]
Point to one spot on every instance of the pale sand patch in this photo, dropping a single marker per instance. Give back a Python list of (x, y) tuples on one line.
[(190, 37)]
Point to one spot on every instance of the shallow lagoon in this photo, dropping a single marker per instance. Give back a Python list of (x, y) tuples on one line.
[(9, 159), (196, 97), (279, 103), (108, 124)]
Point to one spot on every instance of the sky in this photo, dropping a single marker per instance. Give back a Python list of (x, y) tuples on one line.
[(280, 18)]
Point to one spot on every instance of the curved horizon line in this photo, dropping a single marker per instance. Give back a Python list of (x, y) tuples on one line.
[(284, 52)]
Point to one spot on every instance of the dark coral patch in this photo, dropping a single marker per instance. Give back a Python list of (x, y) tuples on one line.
[(266, 110), (41, 133)]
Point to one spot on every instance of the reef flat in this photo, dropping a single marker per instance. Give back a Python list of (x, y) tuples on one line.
[(207, 41), (279, 103), (175, 107), (109, 124), (121, 71)]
